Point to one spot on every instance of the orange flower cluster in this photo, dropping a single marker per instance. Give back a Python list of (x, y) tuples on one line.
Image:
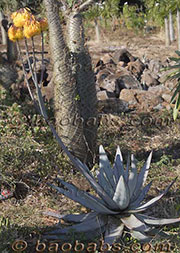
[(25, 25)]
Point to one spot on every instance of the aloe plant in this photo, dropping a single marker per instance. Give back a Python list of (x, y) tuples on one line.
[(175, 75), (121, 193)]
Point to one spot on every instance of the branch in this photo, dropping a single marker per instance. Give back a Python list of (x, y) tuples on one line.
[(85, 5)]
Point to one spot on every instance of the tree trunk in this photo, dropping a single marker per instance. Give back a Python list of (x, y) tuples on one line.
[(85, 81), (12, 53), (171, 28), (167, 38), (97, 30), (178, 28), (66, 104), (3, 31)]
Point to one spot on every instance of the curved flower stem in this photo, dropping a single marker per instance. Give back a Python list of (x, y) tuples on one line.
[(34, 59), (27, 55), (42, 59), (24, 71)]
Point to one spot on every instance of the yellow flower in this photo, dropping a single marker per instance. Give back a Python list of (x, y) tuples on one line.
[(44, 24), (21, 16), (15, 33), (32, 28)]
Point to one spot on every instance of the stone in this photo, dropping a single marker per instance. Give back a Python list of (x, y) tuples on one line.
[(48, 91), (140, 99), (110, 84), (123, 55), (148, 79), (126, 80), (159, 90), (101, 75), (136, 68), (155, 66), (166, 97), (102, 95), (112, 105), (8, 75)]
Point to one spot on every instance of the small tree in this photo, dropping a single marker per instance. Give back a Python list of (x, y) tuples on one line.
[(75, 94), (178, 27)]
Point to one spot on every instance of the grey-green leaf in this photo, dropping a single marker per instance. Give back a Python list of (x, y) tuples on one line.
[(105, 167), (153, 201), (132, 223), (121, 196), (132, 181), (114, 230), (155, 221), (142, 177), (84, 199)]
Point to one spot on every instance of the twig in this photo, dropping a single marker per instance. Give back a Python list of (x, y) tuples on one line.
[(34, 58), (27, 55), (24, 72), (85, 5), (42, 59)]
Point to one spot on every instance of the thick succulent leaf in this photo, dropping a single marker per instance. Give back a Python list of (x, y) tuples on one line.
[(88, 235), (71, 187), (132, 180), (53, 214), (152, 201), (121, 195), (105, 167), (103, 181), (98, 188), (85, 226), (132, 223), (142, 177), (157, 233), (141, 197), (87, 230), (83, 165), (78, 218), (118, 165), (72, 218), (85, 199), (155, 221), (114, 230), (140, 236)]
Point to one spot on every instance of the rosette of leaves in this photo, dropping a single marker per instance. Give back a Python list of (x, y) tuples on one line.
[(175, 75), (121, 193)]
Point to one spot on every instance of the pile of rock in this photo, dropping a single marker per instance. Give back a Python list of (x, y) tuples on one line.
[(131, 82)]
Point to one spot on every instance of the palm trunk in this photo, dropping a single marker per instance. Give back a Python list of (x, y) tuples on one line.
[(85, 80), (12, 53), (171, 28), (97, 30), (178, 28), (167, 38), (3, 31), (65, 90)]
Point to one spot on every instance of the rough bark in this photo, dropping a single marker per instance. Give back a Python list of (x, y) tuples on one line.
[(3, 31), (12, 53), (171, 28), (85, 80), (167, 38), (97, 30), (67, 113), (178, 28)]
